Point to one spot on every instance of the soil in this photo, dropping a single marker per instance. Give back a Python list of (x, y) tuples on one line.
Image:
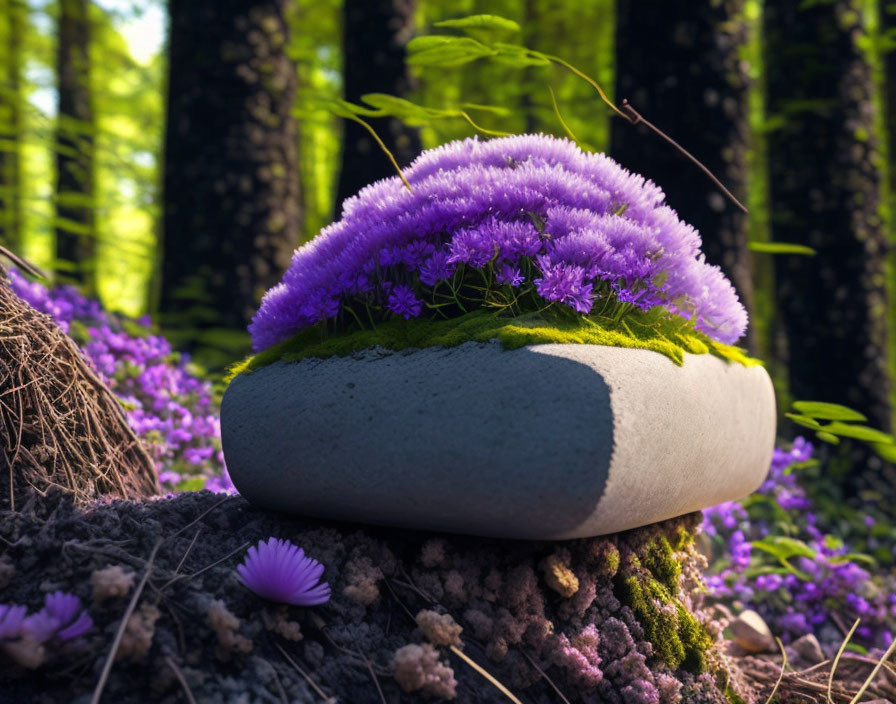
[(197, 634)]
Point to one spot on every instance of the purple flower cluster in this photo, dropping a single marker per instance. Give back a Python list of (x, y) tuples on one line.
[(531, 209), (62, 618), (807, 582), (171, 410)]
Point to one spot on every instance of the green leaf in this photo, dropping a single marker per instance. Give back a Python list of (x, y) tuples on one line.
[(858, 432), (404, 110), (827, 437), (493, 109), (832, 542), (886, 451), (518, 56), (192, 484), (828, 411), (765, 569), (343, 108), (804, 421), (445, 51), (482, 27), (780, 248), (784, 548), (853, 557)]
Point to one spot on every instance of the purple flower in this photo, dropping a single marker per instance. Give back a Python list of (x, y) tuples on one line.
[(280, 571), (62, 617), (12, 617), (403, 302), (509, 275), (564, 284), (500, 201), (436, 268), (169, 409)]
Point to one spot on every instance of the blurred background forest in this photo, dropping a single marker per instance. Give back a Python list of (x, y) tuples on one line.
[(168, 157)]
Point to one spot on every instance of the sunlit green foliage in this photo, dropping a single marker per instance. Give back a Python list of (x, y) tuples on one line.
[(128, 100), (129, 114), (316, 48), (587, 43)]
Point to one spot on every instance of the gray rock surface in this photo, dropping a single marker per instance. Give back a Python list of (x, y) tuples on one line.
[(545, 442)]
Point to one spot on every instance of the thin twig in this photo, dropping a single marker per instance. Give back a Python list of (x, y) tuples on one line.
[(783, 670), (375, 679), (188, 577), (890, 651), (839, 655), (199, 517), (544, 674), (107, 666), (501, 688), (635, 117), (384, 148), (304, 674), (187, 551), (560, 117), (180, 678)]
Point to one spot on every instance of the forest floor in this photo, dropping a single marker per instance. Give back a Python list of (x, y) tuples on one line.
[(194, 633)]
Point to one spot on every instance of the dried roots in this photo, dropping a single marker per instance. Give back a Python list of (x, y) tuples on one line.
[(60, 425)]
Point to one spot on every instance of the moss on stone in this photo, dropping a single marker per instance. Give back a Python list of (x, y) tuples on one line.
[(649, 585), (671, 337)]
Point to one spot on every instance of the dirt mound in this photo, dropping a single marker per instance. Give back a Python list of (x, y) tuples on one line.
[(610, 619)]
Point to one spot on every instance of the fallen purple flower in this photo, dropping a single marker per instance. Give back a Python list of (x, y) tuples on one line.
[(62, 617), (280, 571), (11, 618)]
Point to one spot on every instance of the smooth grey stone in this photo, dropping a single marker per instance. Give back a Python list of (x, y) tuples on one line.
[(544, 442)]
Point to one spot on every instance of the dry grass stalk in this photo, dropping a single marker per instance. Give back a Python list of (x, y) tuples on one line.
[(873, 678), (60, 425)]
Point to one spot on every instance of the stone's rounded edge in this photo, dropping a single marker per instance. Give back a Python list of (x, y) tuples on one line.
[(711, 426), (703, 448)]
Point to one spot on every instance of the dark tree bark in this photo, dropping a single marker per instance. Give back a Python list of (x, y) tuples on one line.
[(678, 64), (75, 208), (231, 189), (887, 18), (375, 33), (11, 125), (825, 190)]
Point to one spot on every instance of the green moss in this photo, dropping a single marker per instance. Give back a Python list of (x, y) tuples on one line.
[(660, 560), (649, 587), (733, 697), (670, 337)]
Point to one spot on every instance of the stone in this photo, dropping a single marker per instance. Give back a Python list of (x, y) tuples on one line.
[(550, 441), (752, 633), (808, 649)]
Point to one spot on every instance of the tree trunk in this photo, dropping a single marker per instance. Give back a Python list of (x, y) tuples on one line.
[(825, 190), (678, 63), (11, 125), (75, 207), (375, 33), (231, 189)]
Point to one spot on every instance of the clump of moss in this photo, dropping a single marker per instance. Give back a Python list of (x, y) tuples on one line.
[(669, 336), (649, 585)]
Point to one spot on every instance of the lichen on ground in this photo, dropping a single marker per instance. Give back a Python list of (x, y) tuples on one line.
[(672, 337)]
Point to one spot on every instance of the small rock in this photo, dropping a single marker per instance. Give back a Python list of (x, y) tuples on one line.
[(752, 633), (809, 649)]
